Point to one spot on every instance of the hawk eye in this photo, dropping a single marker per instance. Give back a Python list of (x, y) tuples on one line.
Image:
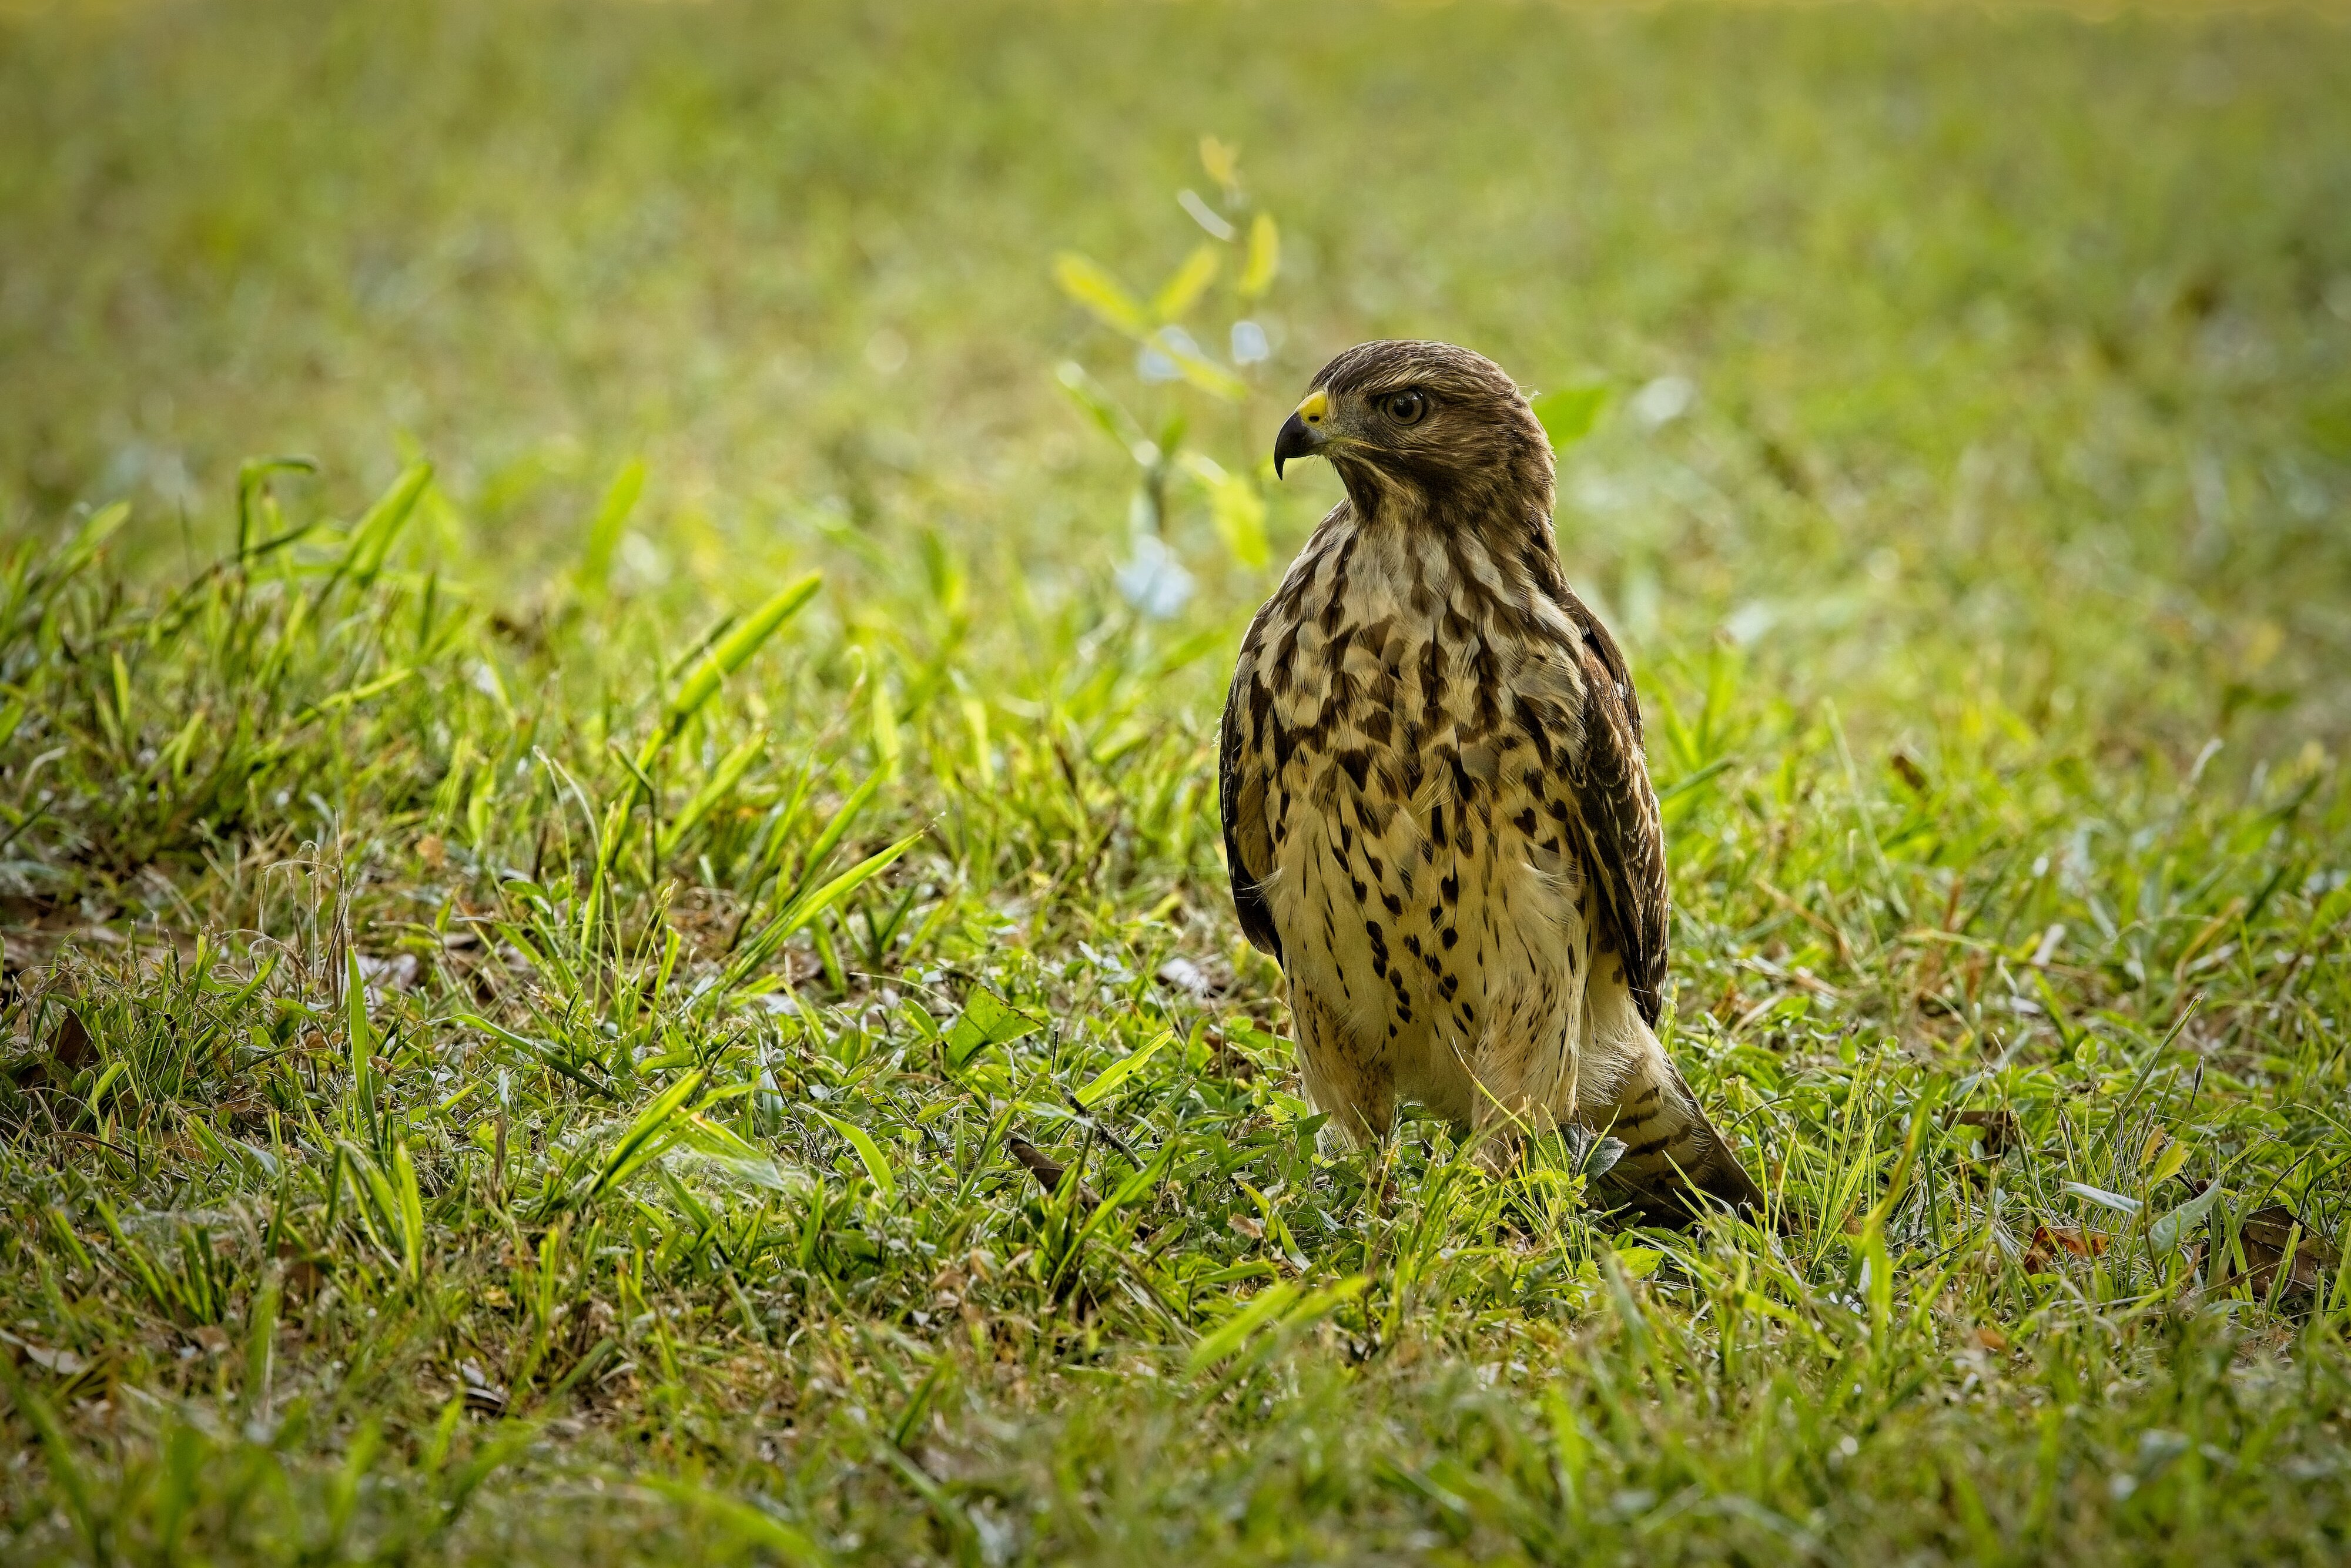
[(1406, 407)]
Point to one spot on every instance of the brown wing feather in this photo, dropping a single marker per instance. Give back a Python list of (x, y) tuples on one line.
[(1624, 842), (1240, 803), (1677, 1153)]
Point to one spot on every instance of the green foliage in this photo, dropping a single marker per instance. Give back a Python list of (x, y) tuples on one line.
[(533, 1034), (1569, 414), (1168, 353), (728, 654)]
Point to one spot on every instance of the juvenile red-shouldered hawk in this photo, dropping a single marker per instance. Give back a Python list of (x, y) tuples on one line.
[(1436, 808)]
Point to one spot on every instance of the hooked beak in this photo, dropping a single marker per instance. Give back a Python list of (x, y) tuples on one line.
[(1305, 433)]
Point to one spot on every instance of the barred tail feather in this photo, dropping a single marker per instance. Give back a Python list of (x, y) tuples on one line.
[(1675, 1161)]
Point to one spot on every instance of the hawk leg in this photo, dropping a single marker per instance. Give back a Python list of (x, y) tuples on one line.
[(1354, 1086), (1515, 1077)]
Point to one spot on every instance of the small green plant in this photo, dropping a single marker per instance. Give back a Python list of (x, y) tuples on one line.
[(1235, 265)]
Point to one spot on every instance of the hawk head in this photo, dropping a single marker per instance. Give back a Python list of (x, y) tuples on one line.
[(1424, 429)]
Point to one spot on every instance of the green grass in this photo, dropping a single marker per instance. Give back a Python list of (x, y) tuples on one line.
[(518, 1016)]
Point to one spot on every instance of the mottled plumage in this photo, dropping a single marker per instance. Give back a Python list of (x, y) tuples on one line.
[(1436, 808)]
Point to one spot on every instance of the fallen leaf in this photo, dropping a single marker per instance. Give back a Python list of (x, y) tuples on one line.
[(1047, 1171), (2081, 1243), (69, 1045), (2265, 1234), (2049, 1240), (1992, 1339)]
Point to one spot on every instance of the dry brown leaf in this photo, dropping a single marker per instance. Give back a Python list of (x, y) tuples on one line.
[(2049, 1240), (1047, 1170), (69, 1043), (2265, 1234)]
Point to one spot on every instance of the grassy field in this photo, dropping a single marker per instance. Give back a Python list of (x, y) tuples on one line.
[(555, 946)]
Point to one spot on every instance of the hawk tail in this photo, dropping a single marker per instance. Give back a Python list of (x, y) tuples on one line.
[(1676, 1162)]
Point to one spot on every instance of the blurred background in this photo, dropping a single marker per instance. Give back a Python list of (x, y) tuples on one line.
[(1902, 349)]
